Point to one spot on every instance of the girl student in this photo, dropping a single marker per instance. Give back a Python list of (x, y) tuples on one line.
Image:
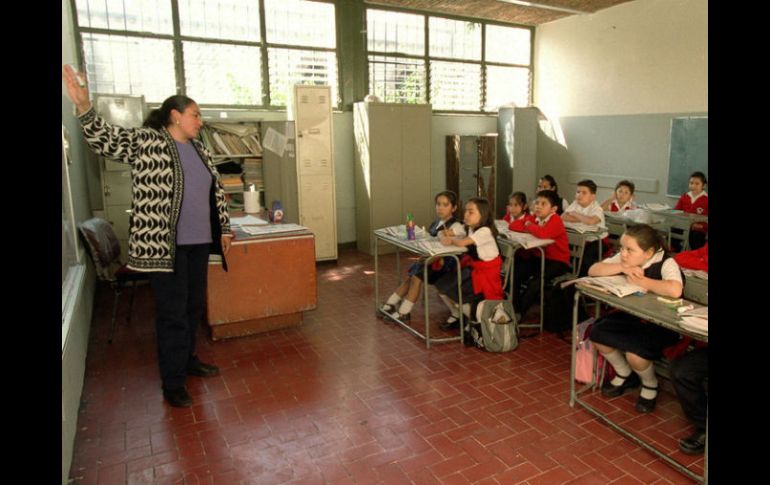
[(409, 291), (517, 211), (628, 343), (622, 199), (547, 182), (480, 266), (696, 201)]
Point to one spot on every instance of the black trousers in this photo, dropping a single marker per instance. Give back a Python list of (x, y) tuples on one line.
[(528, 296), (180, 299), (689, 374)]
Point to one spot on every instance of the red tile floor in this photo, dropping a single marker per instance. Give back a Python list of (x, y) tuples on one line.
[(348, 399)]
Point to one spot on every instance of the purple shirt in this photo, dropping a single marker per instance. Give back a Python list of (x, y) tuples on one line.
[(194, 225)]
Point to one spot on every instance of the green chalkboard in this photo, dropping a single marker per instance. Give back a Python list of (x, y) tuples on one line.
[(689, 152)]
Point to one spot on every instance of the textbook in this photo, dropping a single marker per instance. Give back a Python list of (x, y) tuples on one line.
[(434, 247), (696, 320), (617, 285), (583, 228), (525, 239)]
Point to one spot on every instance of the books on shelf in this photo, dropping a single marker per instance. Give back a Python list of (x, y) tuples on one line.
[(617, 285)]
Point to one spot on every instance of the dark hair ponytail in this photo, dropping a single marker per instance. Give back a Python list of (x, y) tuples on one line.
[(161, 117)]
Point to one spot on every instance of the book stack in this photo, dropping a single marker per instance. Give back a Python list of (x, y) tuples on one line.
[(252, 172), (232, 182)]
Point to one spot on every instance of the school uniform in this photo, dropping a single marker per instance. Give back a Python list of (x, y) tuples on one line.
[(443, 265), (615, 207), (517, 225), (695, 205), (557, 261), (628, 333), (480, 275), (591, 252)]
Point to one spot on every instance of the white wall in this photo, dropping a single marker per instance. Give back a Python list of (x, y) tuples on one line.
[(611, 82), (646, 56)]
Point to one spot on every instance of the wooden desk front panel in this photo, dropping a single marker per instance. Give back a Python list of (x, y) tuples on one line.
[(266, 278)]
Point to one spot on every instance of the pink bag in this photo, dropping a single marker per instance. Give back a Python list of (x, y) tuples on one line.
[(584, 354)]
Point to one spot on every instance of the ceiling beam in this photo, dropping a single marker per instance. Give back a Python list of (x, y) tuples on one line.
[(546, 7)]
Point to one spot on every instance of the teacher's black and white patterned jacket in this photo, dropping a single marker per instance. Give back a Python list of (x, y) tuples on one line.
[(157, 189)]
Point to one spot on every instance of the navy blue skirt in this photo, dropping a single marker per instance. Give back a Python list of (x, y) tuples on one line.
[(433, 275), (628, 333)]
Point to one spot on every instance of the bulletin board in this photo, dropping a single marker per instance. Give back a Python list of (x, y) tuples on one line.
[(689, 152)]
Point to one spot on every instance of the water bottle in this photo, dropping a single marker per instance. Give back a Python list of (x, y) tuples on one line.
[(410, 227)]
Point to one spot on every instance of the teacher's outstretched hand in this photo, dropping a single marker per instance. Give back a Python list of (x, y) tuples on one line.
[(77, 93)]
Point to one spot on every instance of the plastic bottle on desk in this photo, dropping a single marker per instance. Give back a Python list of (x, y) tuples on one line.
[(410, 227)]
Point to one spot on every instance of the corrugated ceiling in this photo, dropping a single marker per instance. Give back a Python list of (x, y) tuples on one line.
[(502, 11)]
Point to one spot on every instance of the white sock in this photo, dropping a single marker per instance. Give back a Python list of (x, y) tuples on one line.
[(650, 380), (619, 363), (393, 300), (451, 305), (406, 307), (467, 309)]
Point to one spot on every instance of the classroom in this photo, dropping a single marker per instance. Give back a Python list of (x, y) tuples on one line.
[(333, 122)]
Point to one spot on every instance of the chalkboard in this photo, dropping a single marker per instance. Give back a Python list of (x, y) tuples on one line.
[(689, 152)]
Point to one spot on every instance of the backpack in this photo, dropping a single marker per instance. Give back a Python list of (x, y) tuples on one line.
[(495, 328)]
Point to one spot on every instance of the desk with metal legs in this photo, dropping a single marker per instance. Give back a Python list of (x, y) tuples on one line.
[(428, 258), (649, 308)]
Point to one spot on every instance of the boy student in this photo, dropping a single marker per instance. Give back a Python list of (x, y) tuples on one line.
[(547, 225), (585, 209)]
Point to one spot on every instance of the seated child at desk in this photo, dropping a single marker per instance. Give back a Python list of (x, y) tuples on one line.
[(547, 225), (446, 206), (696, 201), (480, 266), (622, 199), (547, 182), (517, 212), (629, 344), (585, 209)]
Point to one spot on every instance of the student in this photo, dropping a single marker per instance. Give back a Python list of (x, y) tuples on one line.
[(696, 201), (585, 209), (446, 206), (480, 266), (547, 182), (547, 225), (622, 199), (629, 344), (517, 212), (689, 375)]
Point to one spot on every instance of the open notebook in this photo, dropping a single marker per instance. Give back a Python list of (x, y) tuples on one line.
[(617, 285), (524, 239)]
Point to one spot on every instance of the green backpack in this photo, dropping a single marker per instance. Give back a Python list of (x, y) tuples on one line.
[(495, 328)]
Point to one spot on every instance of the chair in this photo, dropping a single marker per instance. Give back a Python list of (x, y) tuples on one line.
[(104, 248), (615, 230), (679, 230), (506, 253)]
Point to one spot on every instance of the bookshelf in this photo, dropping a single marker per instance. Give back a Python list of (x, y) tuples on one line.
[(236, 149)]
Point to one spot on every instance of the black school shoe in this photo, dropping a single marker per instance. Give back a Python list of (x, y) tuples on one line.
[(201, 369), (630, 382), (452, 323), (644, 405), (178, 398), (695, 444)]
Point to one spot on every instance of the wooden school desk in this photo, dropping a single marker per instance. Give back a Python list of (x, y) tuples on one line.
[(649, 308), (411, 246), (271, 280)]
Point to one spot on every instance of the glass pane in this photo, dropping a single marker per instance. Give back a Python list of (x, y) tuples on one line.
[(140, 15), (455, 86), (454, 38), (130, 65), (291, 66), (397, 80), (298, 22), (220, 19), (506, 85), (223, 74), (508, 44), (395, 32)]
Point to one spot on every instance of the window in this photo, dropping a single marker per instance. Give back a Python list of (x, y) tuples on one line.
[(220, 50), (453, 71)]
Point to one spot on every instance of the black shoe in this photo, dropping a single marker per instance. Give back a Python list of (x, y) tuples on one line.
[(452, 323), (630, 382), (644, 405), (395, 316), (201, 369), (695, 444), (178, 398)]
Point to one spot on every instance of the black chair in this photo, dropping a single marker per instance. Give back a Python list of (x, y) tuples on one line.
[(104, 248)]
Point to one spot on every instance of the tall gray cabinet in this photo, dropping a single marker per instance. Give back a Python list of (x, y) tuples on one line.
[(393, 150), (516, 152)]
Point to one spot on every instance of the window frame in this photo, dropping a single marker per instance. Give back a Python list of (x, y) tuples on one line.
[(427, 58), (178, 39)]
